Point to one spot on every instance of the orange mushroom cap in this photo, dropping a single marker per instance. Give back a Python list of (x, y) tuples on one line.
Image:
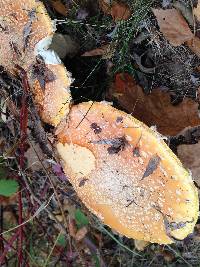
[(25, 35), (126, 175)]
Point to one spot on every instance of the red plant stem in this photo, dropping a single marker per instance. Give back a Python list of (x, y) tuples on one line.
[(23, 136), (1, 228), (20, 239), (7, 248)]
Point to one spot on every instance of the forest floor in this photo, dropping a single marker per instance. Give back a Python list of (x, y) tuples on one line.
[(146, 63)]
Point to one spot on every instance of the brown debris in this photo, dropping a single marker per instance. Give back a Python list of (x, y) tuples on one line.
[(173, 26), (154, 109)]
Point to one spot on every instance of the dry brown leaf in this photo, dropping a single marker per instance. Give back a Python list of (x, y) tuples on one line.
[(155, 108), (189, 156), (120, 11), (141, 244), (197, 11), (194, 45), (105, 6), (59, 7), (106, 51), (173, 26), (100, 51), (81, 233)]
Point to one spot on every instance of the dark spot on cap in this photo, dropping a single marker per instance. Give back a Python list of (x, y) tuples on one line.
[(136, 152), (97, 129), (83, 181), (119, 119), (118, 145), (152, 166)]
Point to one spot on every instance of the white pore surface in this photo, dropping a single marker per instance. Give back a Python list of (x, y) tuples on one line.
[(42, 49)]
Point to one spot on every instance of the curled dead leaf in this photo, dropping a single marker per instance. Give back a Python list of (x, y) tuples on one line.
[(155, 108), (173, 26), (105, 6), (106, 51), (59, 7), (120, 11), (100, 51)]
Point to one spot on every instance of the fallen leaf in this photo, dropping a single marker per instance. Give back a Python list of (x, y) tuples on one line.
[(8, 187), (185, 10), (173, 26), (194, 45), (189, 156), (141, 244), (196, 11), (155, 108), (100, 51), (120, 11), (105, 6), (106, 51), (59, 7)]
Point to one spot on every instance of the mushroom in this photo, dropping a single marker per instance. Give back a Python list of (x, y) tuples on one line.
[(126, 175), (26, 32), (121, 169)]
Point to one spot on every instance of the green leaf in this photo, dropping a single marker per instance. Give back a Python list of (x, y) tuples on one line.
[(81, 219), (61, 240), (8, 187)]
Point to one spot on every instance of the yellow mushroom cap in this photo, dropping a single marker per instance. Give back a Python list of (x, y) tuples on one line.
[(26, 32), (22, 25), (126, 175)]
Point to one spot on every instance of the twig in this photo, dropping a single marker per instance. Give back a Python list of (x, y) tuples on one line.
[(52, 249), (41, 208), (56, 194), (94, 250), (118, 242), (10, 242), (23, 136)]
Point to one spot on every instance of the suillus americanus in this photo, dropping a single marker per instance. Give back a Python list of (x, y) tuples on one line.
[(146, 195), (26, 32), (121, 170)]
